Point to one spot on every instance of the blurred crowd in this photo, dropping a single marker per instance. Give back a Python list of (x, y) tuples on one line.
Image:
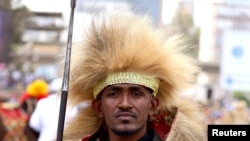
[(18, 105), (20, 99), (29, 107), (227, 111)]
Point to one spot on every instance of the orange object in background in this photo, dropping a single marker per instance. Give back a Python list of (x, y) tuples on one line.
[(37, 89)]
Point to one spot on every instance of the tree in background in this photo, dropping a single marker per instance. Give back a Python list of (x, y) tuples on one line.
[(17, 14), (183, 23), (242, 96)]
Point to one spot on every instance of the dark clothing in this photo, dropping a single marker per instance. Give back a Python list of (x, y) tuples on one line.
[(3, 129), (150, 135), (31, 134)]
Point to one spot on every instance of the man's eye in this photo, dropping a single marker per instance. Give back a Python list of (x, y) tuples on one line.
[(136, 94), (113, 94)]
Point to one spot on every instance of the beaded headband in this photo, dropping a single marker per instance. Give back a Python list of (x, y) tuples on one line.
[(127, 77)]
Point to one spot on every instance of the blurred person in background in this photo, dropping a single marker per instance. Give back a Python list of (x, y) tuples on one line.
[(16, 113), (238, 114), (43, 121), (35, 91), (241, 112)]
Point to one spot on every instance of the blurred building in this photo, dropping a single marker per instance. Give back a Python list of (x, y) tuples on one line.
[(47, 30), (42, 43), (224, 32), (224, 45), (4, 35)]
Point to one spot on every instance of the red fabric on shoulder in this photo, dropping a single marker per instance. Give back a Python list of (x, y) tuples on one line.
[(159, 126)]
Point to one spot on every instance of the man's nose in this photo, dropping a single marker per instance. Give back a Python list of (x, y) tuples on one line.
[(125, 102)]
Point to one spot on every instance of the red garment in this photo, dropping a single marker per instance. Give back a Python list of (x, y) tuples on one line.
[(14, 121), (26, 96)]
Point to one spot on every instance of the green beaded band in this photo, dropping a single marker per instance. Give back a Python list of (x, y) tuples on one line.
[(127, 77)]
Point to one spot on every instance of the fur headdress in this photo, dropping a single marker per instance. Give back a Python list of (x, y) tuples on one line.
[(126, 43)]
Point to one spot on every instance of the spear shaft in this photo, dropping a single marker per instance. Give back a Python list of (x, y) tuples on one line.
[(65, 82)]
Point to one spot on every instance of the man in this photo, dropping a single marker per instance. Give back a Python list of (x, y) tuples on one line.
[(133, 75), (35, 91), (44, 119)]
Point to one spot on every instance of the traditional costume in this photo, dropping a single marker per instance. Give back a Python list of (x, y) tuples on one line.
[(127, 48)]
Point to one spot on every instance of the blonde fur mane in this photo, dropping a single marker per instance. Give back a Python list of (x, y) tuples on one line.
[(125, 42)]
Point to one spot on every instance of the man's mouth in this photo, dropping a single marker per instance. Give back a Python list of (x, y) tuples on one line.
[(125, 115)]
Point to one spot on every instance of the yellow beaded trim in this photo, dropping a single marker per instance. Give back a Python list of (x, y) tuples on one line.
[(127, 77)]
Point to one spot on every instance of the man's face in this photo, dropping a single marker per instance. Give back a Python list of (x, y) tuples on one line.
[(126, 107)]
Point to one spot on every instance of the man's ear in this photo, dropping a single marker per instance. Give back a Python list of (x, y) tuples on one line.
[(154, 106), (96, 105)]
